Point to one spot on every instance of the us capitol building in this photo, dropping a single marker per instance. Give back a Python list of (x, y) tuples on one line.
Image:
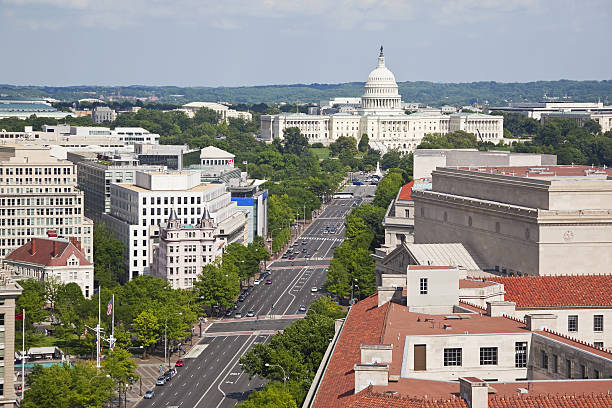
[(379, 114)]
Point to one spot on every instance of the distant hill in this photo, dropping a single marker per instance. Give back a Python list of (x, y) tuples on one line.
[(493, 93)]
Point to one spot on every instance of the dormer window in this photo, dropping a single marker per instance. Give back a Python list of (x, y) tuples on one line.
[(72, 261)]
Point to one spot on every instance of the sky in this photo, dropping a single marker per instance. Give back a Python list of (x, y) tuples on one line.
[(263, 42)]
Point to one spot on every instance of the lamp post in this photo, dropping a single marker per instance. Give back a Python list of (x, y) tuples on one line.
[(284, 374), (166, 338), (352, 289)]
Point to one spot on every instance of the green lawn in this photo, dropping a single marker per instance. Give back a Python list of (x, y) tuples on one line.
[(321, 152)]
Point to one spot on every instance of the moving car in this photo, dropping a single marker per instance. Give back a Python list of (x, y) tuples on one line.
[(269, 282), (179, 363), (251, 313), (314, 289), (161, 380), (304, 242), (302, 309), (149, 394)]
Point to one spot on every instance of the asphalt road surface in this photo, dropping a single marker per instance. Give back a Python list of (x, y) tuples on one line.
[(214, 378)]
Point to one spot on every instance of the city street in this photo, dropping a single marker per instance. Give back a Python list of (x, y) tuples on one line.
[(212, 376)]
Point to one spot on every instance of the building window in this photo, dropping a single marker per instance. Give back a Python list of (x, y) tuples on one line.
[(572, 323), (598, 323), (452, 357), (488, 356), (520, 354), (423, 286), (599, 344), (555, 363), (470, 221), (497, 227), (583, 371), (543, 360), (568, 369), (596, 374)]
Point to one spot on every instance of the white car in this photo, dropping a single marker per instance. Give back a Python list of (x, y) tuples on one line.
[(314, 289), (257, 281)]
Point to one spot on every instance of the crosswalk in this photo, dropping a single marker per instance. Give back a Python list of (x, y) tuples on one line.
[(321, 238)]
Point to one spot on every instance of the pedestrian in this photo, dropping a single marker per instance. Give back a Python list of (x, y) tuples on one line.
[(160, 368)]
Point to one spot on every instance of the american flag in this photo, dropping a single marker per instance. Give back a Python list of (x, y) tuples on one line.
[(245, 162), (109, 308)]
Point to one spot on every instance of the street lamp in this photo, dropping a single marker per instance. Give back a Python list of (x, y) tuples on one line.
[(284, 374), (166, 338), (352, 288)]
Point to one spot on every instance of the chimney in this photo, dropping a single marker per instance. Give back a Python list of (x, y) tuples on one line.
[(74, 241), (500, 308), (33, 249), (370, 374), (541, 321), (54, 253), (376, 353), (474, 391)]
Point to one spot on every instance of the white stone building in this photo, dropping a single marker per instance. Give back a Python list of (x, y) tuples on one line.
[(52, 258), (223, 111), (381, 117), (138, 209), (103, 114), (184, 249), (522, 220), (39, 193)]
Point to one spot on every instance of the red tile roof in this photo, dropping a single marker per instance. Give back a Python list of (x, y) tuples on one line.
[(557, 291), (364, 325), (406, 191), (47, 252), (471, 283)]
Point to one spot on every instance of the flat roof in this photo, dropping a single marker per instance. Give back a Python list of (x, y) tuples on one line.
[(546, 171), (199, 187)]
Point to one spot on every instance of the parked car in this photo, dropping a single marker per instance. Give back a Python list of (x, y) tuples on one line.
[(149, 394), (241, 297), (304, 242), (179, 363), (238, 315), (269, 282), (268, 270), (229, 313), (161, 380), (257, 282), (251, 313), (168, 376), (291, 257), (314, 289), (284, 256)]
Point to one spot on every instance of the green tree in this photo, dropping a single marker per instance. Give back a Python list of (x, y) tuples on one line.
[(63, 386), (274, 395), (32, 299), (364, 143), (108, 257), (391, 159), (120, 367), (218, 284), (344, 144), (146, 327), (294, 142), (388, 187)]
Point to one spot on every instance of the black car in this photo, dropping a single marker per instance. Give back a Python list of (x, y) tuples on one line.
[(241, 297)]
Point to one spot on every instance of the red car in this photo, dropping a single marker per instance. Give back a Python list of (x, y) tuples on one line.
[(179, 363), (269, 282)]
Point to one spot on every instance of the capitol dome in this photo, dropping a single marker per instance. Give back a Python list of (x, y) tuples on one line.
[(381, 92)]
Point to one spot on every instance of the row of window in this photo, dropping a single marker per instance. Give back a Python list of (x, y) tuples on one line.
[(572, 323), (488, 356), (18, 171), (554, 365), (170, 200)]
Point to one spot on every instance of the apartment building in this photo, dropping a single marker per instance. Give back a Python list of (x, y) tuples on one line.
[(138, 209), (184, 249), (39, 193)]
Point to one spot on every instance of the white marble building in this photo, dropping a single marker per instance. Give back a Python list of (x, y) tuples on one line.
[(381, 117)]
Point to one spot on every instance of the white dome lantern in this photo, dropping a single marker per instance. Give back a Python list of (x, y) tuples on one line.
[(381, 91)]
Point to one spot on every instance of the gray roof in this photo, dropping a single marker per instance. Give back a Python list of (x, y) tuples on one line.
[(442, 255)]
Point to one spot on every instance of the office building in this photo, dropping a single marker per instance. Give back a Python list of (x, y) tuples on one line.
[(184, 249), (223, 111), (103, 114), (522, 220), (426, 160), (9, 292), (138, 209), (218, 165), (380, 115), (417, 344), (25, 109), (96, 173), (39, 193), (170, 156), (134, 135), (52, 258)]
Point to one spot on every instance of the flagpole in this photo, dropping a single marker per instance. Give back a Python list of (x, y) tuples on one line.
[(23, 355), (112, 339), (98, 331)]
